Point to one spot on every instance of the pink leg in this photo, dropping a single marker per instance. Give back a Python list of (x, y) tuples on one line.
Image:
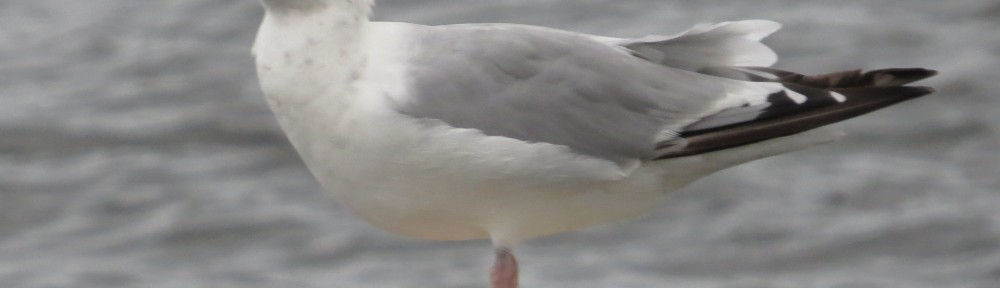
[(504, 273)]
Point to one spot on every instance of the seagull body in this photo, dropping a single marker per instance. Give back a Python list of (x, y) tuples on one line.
[(510, 132)]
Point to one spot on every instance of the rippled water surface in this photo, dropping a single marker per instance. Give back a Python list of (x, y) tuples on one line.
[(136, 151)]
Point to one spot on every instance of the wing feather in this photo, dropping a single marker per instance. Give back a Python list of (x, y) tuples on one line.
[(626, 99)]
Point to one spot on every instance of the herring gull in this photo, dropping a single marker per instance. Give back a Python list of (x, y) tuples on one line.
[(509, 132)]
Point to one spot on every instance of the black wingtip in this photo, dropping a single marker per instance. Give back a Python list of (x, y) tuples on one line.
[(926, 90), (895, 76), (862, 93), (930, 72), (899, 92)]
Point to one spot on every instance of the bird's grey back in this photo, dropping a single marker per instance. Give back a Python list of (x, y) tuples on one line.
[(541, 85)]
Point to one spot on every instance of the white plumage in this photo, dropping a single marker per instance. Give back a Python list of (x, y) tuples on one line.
[(397, 143)]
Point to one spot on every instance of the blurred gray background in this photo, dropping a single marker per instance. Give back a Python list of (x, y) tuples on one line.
[(136, 151)]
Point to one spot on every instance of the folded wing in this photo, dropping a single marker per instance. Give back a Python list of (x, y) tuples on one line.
[(657, 97)]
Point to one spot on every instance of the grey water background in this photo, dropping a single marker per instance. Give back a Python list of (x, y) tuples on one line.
[(136, 151)]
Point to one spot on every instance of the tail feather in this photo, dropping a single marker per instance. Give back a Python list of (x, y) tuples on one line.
[(829, 98)]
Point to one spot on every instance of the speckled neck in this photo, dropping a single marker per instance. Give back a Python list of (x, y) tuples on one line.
[(310, 56)]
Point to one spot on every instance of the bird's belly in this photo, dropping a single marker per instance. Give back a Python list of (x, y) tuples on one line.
[(425, 180), (440, 201), (445, 209)]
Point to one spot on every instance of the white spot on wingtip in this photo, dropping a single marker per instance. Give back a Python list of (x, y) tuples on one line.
[(796, 96), (839, 97)]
